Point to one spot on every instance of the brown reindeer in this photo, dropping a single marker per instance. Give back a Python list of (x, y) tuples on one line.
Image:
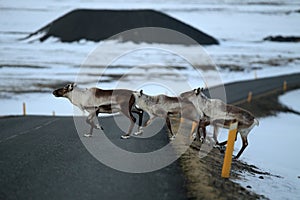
[(220, 114), (163, 106), (96, 100)]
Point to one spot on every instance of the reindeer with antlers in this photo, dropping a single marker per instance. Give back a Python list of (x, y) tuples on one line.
[(220, 114), (163, 106), (95, 101)]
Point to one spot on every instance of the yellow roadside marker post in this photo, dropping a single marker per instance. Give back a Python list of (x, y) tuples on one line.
[(24, 109), (229, 150), (284, 86), (249, 97)]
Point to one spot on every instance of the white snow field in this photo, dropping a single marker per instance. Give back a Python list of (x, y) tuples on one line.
[(273, 147)]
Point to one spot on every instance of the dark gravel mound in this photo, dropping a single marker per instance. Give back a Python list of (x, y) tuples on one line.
[(97, 25), (280, 38)]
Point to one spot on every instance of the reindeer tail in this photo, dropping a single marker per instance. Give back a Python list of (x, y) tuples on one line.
[(256, 122)]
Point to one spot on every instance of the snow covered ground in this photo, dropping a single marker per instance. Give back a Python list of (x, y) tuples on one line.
[(273, 147)]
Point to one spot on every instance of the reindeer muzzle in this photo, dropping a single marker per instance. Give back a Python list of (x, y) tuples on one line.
[(56, 93)]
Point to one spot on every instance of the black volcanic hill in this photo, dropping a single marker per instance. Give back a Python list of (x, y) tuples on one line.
[(97, 25)]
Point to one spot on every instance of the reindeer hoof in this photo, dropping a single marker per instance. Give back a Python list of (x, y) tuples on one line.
[(222, 149), (98, 127), (173, 137), (125, 136), (235, 158), (140, 132), (201, 140), (194, 136), (87, 135)]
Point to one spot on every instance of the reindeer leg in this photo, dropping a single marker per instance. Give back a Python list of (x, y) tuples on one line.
[(168, 122), (90, 132), (204, 133), (127, 135), (98, 126), (222, 143), (140, 128), (225, 142), (127, 112), (220, 146), (89, 120), (215, 136), (245, 144), (196, 136), (202, 126), (92, 118), (140, 112), (149, 121)]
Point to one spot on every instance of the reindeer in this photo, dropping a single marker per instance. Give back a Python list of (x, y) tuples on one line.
[(221, 115), (95, 101), (163, 106)]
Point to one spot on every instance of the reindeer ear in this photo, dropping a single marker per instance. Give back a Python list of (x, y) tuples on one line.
[(197, 91), (141, 92), (70, 87)]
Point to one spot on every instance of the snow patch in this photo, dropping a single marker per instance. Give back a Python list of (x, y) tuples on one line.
[(291, 99), (273, 147)]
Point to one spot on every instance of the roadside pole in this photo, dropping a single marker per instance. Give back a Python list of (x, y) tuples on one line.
[(229, 150), (24, 109)]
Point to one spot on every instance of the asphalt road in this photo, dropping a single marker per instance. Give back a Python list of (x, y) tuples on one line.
[(44, 158), (238, 91)]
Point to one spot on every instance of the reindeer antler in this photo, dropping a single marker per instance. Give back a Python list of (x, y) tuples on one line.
[(197, 91)]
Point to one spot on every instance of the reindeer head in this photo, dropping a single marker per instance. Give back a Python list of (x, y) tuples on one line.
[(138, 94), (61, 92), (199, 92), (193, 94), (190, 93)]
